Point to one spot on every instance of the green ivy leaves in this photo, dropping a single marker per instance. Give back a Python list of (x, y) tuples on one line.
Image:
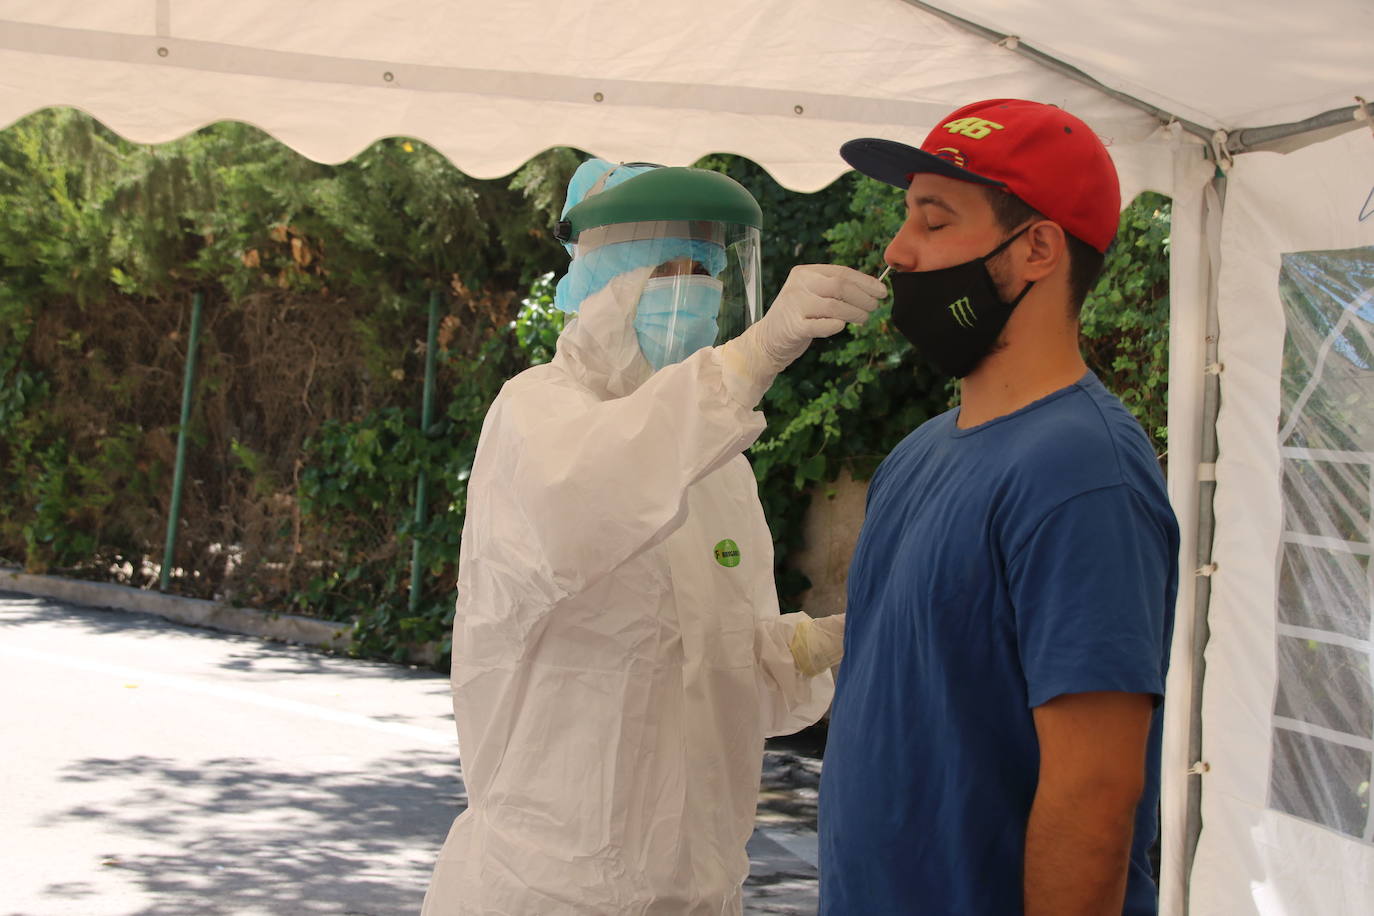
[(89, 223)]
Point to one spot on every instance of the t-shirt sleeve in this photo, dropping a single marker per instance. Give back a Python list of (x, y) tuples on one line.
[(1090, 594)]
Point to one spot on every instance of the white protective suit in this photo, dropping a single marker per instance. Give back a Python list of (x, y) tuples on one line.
[(613, 681)]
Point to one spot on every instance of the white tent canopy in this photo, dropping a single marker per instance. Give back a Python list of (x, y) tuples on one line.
[(1271, 258), (492, 84)]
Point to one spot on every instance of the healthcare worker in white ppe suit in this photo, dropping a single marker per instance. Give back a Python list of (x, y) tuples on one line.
[(618, 653)]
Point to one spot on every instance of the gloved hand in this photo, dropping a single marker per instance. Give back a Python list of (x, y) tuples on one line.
[(816, 301), (817, 644)]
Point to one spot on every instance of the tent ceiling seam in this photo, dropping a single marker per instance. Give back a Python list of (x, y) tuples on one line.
[(235, 60)]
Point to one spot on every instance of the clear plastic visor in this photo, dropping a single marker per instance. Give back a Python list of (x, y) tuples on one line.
[(704, 286)]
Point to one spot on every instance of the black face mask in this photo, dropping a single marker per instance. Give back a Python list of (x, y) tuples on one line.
[(953, 315)]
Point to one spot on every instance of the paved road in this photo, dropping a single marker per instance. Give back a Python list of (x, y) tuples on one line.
[(151, 769)]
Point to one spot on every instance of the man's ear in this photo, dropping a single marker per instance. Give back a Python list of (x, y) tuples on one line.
[(1047, 248)]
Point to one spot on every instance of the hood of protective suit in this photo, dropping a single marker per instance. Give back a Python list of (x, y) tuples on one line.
[(599, 347)]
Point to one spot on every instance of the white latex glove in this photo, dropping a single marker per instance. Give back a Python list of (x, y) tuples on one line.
[(816, 301), (818, 644)]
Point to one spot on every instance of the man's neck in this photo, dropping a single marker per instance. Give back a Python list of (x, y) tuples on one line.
[(1017, 376)]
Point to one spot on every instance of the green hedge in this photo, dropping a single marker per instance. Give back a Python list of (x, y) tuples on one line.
[(304, 442)]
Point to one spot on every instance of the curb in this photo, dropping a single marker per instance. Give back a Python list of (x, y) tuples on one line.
[(213, 615)]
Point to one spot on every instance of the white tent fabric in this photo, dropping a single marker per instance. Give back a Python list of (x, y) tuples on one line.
[(1289, 697), (490, 85), (1223, 64), (784, 82)]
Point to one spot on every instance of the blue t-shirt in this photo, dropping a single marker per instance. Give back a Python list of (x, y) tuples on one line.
[(999, 567)]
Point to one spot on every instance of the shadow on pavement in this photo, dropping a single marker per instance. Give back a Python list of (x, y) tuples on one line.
[(237, 835), (259, 838)]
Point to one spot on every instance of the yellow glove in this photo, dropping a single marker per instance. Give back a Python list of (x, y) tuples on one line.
[(817, 644)]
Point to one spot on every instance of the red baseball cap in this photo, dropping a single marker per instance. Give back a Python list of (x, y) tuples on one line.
[(1042, 154)]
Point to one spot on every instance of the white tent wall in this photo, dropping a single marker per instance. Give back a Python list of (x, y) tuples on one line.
[(784, 83), (1251, 858)]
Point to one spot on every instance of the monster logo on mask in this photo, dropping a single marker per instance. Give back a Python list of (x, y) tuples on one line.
[(963, 313), (953, 315)]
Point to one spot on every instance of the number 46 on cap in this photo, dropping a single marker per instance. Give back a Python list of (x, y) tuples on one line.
[(973, 128)]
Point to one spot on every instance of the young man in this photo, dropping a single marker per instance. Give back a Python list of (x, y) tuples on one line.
[(994, 743)]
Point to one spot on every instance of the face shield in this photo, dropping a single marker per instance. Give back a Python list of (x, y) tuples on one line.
[(696, 231)]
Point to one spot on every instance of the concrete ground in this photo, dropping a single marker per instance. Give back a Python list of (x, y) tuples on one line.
[(152, 769)]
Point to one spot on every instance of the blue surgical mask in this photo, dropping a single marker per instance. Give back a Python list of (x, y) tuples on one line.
[(677, 316)]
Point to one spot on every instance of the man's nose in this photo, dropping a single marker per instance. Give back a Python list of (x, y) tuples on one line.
[(901, 251)]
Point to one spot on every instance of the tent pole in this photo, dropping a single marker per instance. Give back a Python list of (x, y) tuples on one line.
[(1249, 138), (179, 473), (1206, 529), (426, 419)]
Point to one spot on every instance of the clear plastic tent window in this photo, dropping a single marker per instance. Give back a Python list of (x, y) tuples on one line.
[(1323, 734)]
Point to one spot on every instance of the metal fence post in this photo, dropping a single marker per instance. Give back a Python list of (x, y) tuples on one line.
[(426, 420), (180, 472)]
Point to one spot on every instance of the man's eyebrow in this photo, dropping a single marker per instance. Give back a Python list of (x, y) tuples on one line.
[(932, 201)]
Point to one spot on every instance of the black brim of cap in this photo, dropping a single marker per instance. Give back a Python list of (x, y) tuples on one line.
[(891, 162)]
